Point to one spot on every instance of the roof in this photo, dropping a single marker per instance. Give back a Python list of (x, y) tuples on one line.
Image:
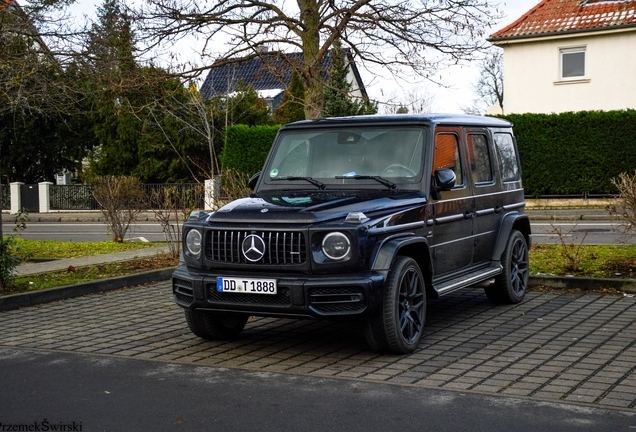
[(554, 17), (4, 4), (385, 119), (266, 72)]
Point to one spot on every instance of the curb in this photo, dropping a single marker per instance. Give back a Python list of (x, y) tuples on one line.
[(582, 283), (16, 301)]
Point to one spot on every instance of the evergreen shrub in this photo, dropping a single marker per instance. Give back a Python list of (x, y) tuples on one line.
[(246, 147), (575, 152)]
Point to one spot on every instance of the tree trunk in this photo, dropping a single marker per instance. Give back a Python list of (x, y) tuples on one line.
[(310, 17)]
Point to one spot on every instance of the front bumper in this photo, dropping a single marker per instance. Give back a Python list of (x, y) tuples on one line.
[(299, 296)]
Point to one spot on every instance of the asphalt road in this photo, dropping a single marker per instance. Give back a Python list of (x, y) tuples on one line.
[(102, 393), (586, 232)]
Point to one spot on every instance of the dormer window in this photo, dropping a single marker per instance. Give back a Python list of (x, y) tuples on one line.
[(572, 63)]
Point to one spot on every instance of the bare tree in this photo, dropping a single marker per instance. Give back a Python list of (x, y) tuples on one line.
[(489, 85), (415, 101), (394, 34), (120, 198)]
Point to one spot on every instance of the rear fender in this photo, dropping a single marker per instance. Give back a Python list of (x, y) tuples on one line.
[(512, 221)]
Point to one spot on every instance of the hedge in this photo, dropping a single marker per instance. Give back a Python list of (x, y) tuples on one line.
[(246, 147), (575, 153)]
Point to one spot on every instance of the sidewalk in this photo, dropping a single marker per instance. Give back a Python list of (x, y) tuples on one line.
[(42, 267)]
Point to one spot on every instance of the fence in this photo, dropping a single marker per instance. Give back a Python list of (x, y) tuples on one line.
[(5, 196), (72, 197), (80, 197), (183, 195)]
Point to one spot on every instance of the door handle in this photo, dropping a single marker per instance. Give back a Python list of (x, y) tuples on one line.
[(468, 215), (498, 209)]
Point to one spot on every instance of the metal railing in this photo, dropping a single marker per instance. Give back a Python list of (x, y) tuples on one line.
[(5, 196), (181, 195), (158, 196), (72, 197)]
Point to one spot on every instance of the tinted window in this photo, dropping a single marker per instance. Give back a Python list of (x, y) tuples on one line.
[(330, 154), (447, 155), (479, 158), (508, 156)]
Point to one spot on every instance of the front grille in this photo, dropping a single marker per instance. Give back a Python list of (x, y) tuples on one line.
[(337, 300), (282, 298), (281, 247), (183, 291)]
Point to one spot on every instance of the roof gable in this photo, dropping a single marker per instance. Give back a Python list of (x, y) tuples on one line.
[(567, 16)]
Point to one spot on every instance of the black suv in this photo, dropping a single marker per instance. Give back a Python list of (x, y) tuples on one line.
[(362, 217)]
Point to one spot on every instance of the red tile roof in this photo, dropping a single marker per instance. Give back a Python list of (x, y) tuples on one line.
[(562, 16)]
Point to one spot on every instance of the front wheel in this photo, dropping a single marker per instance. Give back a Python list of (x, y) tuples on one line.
[(215, 325), (510, 286), (398, 324)]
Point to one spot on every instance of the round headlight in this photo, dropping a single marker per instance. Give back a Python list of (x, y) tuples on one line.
[(193, 242), (336, 246)]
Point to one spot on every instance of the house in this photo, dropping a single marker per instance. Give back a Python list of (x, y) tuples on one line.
[(270, 74), (570, 55)]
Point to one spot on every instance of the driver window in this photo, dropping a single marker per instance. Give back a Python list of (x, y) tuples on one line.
[(447, 155)]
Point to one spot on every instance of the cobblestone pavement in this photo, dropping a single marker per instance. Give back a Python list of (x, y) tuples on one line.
[(555, 346)]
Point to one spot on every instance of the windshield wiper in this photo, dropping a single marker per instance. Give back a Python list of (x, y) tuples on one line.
[(379, 179), (319, 185)]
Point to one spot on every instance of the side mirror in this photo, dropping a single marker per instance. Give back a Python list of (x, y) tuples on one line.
[(445, 179), (254, 180)]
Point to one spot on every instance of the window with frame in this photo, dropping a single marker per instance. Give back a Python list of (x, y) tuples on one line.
[(447, 155), (572, 63), (508, 157), (480, 162)]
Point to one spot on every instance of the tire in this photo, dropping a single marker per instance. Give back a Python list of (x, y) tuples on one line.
[(397, 325), (511, 285), (215, 325)]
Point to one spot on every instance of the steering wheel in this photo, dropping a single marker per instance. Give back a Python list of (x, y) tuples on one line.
[(391, 169)]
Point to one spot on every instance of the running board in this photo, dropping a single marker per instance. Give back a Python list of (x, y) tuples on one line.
[(466, 281)]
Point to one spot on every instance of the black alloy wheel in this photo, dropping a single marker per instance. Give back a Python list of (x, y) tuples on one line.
[(511, 285), (398, 324)]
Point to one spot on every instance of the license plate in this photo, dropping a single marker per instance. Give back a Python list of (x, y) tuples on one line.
[(246, 285)]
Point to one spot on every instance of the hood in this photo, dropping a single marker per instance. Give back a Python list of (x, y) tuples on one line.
[(306, 207)]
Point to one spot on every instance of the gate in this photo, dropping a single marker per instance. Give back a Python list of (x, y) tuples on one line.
[(30, 197)]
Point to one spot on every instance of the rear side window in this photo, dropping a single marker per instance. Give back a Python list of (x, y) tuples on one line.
[(480, 164), (447, 155), (508, 156)]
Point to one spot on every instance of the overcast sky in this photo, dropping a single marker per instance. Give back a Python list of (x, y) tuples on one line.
[(457, 79)]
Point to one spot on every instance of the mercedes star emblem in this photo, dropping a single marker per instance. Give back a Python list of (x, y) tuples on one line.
[(253, 248)]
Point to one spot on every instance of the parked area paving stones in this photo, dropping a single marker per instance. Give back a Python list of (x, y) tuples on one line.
[(557, 346)]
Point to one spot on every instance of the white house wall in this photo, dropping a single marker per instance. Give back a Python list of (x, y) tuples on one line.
[(531, 75)]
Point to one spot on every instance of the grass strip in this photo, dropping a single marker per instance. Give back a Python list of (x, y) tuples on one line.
[(59, 250), (74, 275)]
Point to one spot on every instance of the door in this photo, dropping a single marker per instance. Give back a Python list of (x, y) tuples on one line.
[(487, 191), (452, 242)]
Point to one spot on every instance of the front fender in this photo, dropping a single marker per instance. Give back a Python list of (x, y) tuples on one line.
[(414, 246)]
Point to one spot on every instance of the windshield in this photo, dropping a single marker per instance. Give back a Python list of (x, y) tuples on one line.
[(346, 156)]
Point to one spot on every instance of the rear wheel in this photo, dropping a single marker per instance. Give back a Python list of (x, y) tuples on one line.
[(398, 324), (510, 286), (215, 325)]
